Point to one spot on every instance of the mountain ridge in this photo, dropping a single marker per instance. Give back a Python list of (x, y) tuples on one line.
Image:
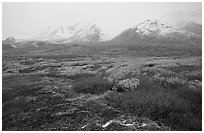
[(156, 30), (149, 32), (79, 32)]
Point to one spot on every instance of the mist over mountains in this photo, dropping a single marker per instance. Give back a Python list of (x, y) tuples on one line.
[(177, 26), (176, 17)]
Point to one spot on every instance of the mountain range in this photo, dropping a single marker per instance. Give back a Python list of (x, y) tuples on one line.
[(80, 32), (149, 32)]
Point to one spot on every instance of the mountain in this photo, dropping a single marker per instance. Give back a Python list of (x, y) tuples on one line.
[(80, 32), (155, 32), (191, 27), (190, 20), (88, 32), (53, 33), (176, 17)]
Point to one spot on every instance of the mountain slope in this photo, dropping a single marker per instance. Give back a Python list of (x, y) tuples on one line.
[(53, 33), (154, 31)]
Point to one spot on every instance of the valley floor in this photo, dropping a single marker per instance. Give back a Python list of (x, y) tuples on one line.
[(76, 93)]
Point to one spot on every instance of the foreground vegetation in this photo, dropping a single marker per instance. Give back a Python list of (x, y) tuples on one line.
[(75, 92), (176, 106)]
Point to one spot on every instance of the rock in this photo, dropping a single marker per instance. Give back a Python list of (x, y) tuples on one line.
[(92, 127), (115, 126), (150, 65), (126, 85)]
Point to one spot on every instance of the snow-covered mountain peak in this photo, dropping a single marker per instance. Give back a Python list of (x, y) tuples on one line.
[(154, 26), (60, 32), (78, 32), (89, 32), (85, 27)]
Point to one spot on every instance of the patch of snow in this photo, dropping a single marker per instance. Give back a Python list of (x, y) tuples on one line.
[(154, 27), (34, 44), (13, 46)]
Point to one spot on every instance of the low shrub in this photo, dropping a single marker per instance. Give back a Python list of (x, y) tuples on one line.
[(179, 108), (92, 85), (169, 82), (127, 84)]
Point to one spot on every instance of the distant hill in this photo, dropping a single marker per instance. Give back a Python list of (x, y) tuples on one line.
[(191, 27), (9, 40), (174, 17), (8, 43)]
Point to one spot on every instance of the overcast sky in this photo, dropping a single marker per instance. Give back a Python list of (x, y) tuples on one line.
[(26, 19)]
